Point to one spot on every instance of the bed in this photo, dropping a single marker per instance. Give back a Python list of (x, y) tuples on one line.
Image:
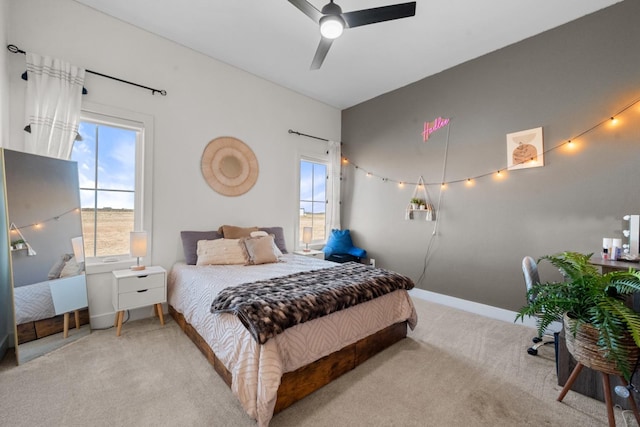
[(269, 377), (35, 314)]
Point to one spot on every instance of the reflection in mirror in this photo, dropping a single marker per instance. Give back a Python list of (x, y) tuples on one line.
[(49, 286)]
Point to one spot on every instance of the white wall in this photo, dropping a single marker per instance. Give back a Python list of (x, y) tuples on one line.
[(205, 99)]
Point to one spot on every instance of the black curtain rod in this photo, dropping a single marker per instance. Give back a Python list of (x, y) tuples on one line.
[(309, 136), (14, 49)]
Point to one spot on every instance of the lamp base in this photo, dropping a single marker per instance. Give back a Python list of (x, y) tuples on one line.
[(137, 267)]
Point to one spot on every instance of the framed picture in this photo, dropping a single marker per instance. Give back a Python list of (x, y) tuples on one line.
[(525, 149)]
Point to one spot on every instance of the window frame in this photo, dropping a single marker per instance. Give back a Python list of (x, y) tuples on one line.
[(143, 220)]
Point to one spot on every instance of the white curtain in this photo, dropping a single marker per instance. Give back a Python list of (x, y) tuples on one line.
[(335, 160), (54, 93)]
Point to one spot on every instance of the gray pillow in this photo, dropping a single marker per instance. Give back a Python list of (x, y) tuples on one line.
[(278, 237), (56, 269), (190, 243)]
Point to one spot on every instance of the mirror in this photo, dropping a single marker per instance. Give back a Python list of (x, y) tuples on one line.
[(47, 257), (6, 296)]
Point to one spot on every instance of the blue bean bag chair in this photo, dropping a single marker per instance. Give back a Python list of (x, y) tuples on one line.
[(339, 247)]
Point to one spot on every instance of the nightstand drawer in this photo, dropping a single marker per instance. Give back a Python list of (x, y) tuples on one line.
[(139, 283), (141, 298)]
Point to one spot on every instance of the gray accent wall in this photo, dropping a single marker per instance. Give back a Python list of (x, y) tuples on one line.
[(565, 80)]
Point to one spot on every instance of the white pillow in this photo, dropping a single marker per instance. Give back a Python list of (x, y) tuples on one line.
[(71, 268), (221, 252), (276, 249), (261, 250)]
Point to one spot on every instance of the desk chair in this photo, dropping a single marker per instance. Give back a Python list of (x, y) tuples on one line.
[(531, 277)]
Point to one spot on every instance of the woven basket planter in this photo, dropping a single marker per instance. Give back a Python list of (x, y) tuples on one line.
[(584, 348)]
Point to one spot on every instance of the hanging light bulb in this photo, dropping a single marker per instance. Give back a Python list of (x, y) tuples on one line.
[(331, 24)]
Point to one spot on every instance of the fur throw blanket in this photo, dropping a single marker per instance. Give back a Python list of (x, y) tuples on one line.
[(268, 307)]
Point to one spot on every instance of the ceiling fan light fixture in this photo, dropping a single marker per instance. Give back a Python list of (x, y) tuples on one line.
[(331, 26)]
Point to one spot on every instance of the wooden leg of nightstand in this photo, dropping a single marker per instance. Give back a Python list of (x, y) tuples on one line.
[(65, 328), (77, 315), (160, 315), (115, 320), (119, 326)]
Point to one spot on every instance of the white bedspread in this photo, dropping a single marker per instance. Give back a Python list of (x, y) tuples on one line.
[(33, 302), (257, 369)]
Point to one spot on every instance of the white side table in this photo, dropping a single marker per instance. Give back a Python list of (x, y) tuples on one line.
[(310, 253), (138, 288)]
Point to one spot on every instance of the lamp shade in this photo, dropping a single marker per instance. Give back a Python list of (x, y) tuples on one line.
[(138, 241), (78, 248), (331, 26), (307, 233)]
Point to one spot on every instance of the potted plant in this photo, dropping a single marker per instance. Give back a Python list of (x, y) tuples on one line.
[(18, 244), (415, 202), (590, 301)]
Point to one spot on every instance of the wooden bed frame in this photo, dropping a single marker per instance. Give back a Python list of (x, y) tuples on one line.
[(297, 384)]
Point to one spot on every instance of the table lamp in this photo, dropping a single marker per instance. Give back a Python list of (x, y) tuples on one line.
[(138, 247), (306, 237)]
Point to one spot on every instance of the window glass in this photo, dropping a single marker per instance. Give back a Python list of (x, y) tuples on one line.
[(107, 161), (313, 201)]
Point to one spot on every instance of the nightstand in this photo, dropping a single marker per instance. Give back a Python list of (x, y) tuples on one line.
[(138, 288), (310, 253)]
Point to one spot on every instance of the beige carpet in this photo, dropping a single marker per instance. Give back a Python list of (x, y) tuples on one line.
[(455, 369)]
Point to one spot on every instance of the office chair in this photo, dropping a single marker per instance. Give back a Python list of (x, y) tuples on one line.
[(531, 277)]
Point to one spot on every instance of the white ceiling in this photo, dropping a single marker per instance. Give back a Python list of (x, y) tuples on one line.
[(274, 40)]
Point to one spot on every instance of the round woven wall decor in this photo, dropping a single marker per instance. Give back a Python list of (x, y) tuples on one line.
[(229, 166)]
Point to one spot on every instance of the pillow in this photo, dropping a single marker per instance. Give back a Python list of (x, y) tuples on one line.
[(221, 252), (261, 250), (190, 243), (261, 233), (233, 232), (56, 269), (278, 237), (71, 268), (340, 243)]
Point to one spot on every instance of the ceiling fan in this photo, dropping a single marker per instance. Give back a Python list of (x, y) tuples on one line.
[(332, 21)]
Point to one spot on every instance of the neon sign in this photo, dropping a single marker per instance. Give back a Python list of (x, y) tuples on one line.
[(431, 127)]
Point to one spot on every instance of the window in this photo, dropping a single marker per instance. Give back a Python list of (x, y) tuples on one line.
[(313, 199), (110, 159)]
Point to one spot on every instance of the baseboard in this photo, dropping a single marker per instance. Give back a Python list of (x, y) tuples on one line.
[(472, 307)]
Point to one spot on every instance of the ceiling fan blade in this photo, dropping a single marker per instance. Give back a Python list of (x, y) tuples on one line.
[(321, 52), (308, 9), (379, 14)]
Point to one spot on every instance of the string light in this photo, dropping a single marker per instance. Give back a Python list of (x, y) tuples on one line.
[(570, 143), (39, 225)]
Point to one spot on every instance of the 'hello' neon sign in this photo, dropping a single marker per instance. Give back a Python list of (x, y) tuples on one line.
[(431, 127)]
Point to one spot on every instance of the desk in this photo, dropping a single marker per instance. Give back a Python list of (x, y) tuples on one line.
[(608, 266), (588, 382)]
